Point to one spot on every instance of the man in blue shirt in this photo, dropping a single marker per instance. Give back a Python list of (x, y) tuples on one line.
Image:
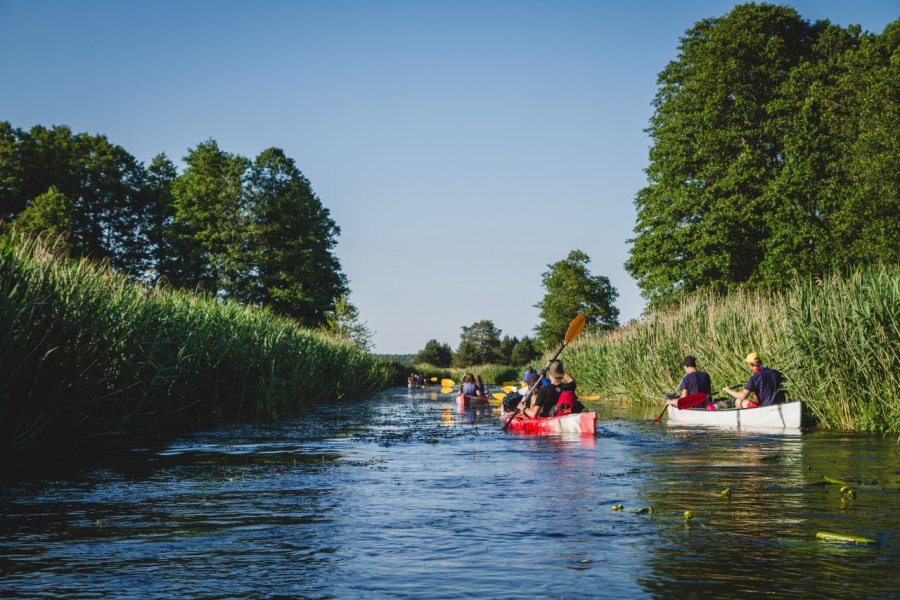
[(693, 382), (764, 382)]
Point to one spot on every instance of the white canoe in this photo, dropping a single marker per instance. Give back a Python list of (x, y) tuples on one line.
[(776, 416)]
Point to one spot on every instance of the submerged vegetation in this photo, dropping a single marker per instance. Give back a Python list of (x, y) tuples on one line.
[(836, 340), (87, 354)]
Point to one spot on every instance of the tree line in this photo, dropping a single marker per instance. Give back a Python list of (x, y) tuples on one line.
[(775, 153), (250, 230), (570, 290)]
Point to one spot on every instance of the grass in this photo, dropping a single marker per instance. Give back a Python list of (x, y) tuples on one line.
[(837, 341), (87, 355)]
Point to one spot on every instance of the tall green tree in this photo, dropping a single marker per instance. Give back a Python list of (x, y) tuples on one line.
[(210, 219), (572, 290), (479, 344), (524, 352), (290, 262), (50, 213), (158, 216), (344, 322), (774, 153), (435, 353), (715, 148)]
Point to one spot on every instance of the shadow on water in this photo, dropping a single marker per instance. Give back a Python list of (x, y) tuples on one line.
[(407, 496)]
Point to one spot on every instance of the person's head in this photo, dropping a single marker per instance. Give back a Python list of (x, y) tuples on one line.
[(753, 360), (468, 378), (689, 362), (556, 370)]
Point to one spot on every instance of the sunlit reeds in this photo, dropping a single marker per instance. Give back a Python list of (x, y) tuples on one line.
[(86, 353), (836, 341)]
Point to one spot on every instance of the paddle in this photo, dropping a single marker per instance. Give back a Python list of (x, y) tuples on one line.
[(433, 380), (446, 390), (572, 332), (684, 403), (447, 383)]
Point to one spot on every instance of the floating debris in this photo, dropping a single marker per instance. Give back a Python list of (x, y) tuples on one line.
[(617, 507), (644, 511), (688, 515), (827, 536), (726, 492)]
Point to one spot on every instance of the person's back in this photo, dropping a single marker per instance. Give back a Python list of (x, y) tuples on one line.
[(696, 382), (766, 384)]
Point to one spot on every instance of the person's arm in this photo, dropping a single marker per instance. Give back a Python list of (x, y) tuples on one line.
[(742, 395), (531, 411)]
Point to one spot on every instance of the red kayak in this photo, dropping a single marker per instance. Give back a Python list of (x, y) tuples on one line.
[(585, 422), (464, 401)]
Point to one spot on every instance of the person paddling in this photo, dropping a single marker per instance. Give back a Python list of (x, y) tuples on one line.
[(545, 399), (693, 382), (764, 382)]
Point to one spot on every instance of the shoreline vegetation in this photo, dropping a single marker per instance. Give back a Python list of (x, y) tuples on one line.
[(90, 356), (836, 340)]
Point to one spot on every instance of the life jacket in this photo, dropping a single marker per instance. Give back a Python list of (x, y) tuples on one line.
[(468, 389), (565, 404)]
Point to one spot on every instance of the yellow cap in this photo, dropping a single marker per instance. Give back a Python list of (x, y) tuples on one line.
[(752, 359)]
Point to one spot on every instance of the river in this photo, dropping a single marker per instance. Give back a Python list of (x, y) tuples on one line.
[(404, 496)]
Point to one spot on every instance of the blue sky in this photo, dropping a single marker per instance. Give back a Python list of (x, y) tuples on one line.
[(460, 146)]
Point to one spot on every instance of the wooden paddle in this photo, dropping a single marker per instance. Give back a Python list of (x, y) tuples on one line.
[(575, 327)]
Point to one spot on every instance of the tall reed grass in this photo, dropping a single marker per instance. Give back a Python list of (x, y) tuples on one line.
[(837, 341), (86, 354)]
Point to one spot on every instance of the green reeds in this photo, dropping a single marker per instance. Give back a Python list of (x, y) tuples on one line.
[(836, 341), (86, 354)]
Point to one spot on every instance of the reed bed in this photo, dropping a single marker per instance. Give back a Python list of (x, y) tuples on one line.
[(86, 354), (837, 341)]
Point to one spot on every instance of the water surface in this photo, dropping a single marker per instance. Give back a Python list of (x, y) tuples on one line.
[(404, 496)]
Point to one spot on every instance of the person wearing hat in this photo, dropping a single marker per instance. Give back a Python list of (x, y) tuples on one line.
[(764, 382), (543, 402), (693, 382)]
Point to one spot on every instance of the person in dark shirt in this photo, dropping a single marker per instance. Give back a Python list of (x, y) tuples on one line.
[(693, 382), (764, 382), (545, 399)]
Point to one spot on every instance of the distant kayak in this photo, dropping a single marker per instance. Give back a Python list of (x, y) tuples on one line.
[(585, 422), (778, 416)]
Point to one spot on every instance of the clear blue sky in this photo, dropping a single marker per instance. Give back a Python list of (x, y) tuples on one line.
[(461, 146)]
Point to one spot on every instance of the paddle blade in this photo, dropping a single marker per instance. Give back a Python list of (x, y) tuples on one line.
[(506, 383), (498, 396), (575, 328), (434, 380), (447, 383), (446, 390), (691, 401), (509, 388)]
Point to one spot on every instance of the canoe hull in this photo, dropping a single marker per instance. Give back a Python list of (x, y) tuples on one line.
[(776, 416), (584, 423)]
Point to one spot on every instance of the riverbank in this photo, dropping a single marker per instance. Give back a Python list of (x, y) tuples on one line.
[(837, 341), (90, 356)]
